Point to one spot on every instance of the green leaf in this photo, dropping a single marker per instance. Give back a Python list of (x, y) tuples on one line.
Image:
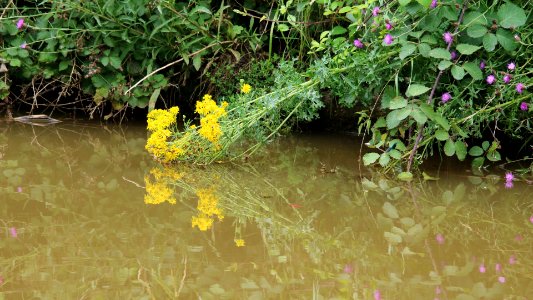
[(476, 151), (489, 42), (197, 62), (460, 150), (428, 177), (424, 3), (458, 72), (449, 148), (405, 176), (395, 154), (476, 31), (115, 61), (511, 16), (384, 159), (345, 9), (424, 49), (63, 65), (153, 99), (467, 49), (392, 238), (441, 121), (474, 70), (474, 18), (416, 89), (47, 57), (404, 2), (494, 156), (485, 145), (478, 162), (397, 102), (15, 62), (105, 61), (441, 135), (506, 39), (407, 50), (338, 30), (283, 27), (419, 116), (440, 53), (444, 64), (390, 210), (396, 116), (370, 158)]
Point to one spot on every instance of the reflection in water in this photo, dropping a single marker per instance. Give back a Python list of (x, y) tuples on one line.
[(298, 223)]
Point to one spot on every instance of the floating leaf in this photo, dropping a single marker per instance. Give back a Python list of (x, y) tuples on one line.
[(428, 177), (405, 176)]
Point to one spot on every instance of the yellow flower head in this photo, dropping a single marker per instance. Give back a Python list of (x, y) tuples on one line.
[(239, 242), (246, 88)]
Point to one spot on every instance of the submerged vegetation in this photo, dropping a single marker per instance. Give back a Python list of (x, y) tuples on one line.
[(425, 77)]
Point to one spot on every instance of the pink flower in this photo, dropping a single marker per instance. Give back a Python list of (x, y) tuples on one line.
[(388, 26), (512, 260), (482, 268), (448, 37), (377, 295), (433, 4), (509, 176), (440, 239), (531, 219), (520, 87), (491, 79), (524, 106), (511, 66), (375, 11), (507, 78), (438, 291), (23, 45), (388, 39), (446, 97), (19, 189), (501, 279), (20, 23), (13, 232), (453, 55), (498, 268), (518, 238), (348, 269), (357, 43), (482, 65)]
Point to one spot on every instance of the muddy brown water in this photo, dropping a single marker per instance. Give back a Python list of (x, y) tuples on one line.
[(86, 214)]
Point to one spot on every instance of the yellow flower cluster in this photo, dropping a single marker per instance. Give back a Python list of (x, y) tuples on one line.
[(159, 121), (207, 210), (210, 113), (239, 242), (246, 88), (158, 191)]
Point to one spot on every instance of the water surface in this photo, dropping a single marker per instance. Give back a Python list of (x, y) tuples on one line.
[(86, 214)]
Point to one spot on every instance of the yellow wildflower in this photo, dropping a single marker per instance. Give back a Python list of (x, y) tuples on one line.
[(239, 242), (210, 113), (246, 88)]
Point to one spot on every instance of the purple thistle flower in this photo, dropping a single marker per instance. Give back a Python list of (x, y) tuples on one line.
[(482, 65), (388, 26), (348, 269), (509, 184), (446, 97), (507, 78), (20, 23), (524, 106), (448, 37), (531, 219), (433, 4), (13, 232), (388, 39), (519, 87), (453, 55), (23, 45), (498, 268), (501, 279), (511, 66), (375, 11), (19, 189), (438, 290), (357, 43), (512, 260), (509, 176), (491, 79)]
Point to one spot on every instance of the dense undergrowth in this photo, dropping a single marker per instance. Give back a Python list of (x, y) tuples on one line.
[(429, 77)]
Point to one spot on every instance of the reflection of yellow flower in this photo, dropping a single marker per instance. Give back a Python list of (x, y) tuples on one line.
[(159, 190), (246, 88), (207, 210), (239, 242)]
